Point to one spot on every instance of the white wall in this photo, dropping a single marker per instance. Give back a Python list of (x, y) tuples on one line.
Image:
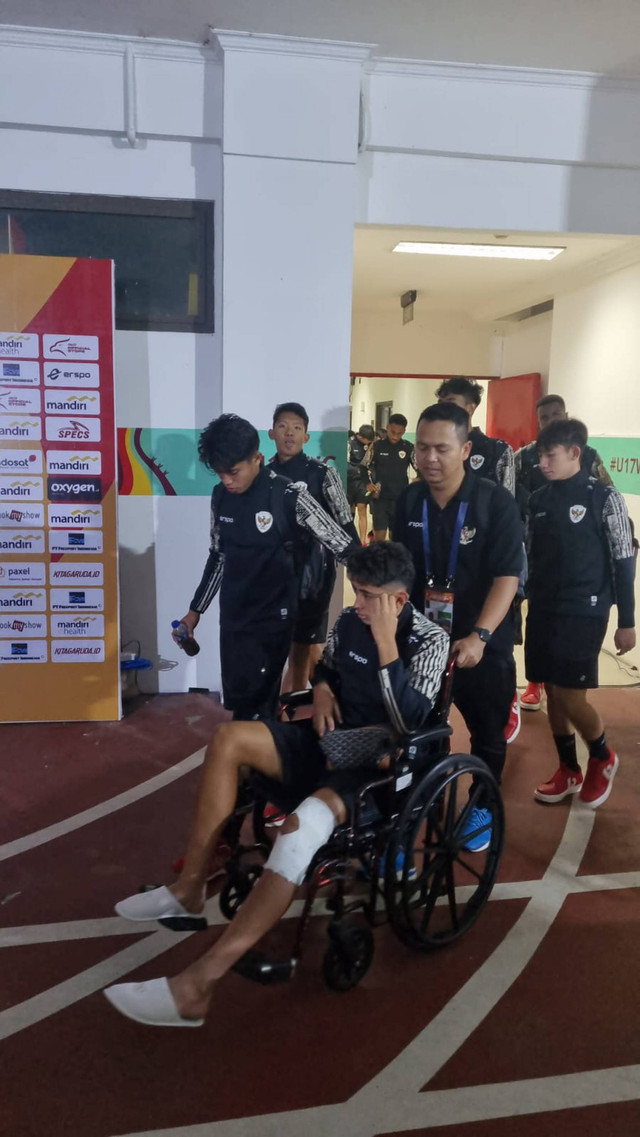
[(526, 347), (595, 366), (434, 343)]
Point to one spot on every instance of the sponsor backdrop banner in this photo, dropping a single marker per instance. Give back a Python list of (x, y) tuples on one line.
[(157, 462), (58, 492)]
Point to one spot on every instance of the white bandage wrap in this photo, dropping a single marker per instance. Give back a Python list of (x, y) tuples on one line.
[(293, 852)]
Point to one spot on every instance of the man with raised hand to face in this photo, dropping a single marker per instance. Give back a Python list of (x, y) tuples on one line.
[(465, 536), (318, 566), (580, 563)]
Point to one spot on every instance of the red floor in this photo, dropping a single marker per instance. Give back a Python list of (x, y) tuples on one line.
[(528, 1024)]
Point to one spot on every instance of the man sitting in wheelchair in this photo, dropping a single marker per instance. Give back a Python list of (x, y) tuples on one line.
[(382, 666)]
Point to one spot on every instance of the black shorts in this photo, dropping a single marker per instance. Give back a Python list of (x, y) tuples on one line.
[(252, 663), (563, 650), (311, 624), (383, 511), (304, 767), (356, 488)]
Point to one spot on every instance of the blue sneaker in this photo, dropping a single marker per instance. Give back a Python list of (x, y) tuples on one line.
[(477, 842), (411, 875)]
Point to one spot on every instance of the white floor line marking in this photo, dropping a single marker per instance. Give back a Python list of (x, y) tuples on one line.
[(426, 1111), (61, 828), (27, 934), (393, 1090)]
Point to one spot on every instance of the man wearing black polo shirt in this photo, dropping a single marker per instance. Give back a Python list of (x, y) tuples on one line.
[(581, 562), (465, 537), (389, 462)]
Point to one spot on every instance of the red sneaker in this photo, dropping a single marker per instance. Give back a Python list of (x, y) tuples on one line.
[(531, 697), (599, 780), (563, 783), (512, 729)]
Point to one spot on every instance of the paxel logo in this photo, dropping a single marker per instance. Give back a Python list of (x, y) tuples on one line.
[(74, 489)]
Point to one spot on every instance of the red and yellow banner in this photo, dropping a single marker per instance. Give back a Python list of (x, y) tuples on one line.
[(59, 638)]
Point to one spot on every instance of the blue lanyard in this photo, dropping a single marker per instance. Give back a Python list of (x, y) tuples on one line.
[(455, 543)]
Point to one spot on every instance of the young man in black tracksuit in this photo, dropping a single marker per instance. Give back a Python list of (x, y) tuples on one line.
[(491, 458), (358, 478), (259, 529), (318, 573), (529, 478), (580, 563), (383, 665), (465, 536), (389, 462)]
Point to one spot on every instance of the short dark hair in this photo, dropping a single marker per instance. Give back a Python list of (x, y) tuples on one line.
[(226, 441), (397, 420), (382, 563), (546, 400), (563, 432), (367, 431), (291, 409), (470, 389), (448, 412)]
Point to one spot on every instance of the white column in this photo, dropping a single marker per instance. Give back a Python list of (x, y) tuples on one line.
[(290, 145)]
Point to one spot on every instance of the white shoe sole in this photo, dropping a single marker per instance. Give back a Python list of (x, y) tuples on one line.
[(603, 797), (551, 799), (530, 706), (150, 1003)]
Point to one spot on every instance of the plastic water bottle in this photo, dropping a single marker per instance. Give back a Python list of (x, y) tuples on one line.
[(181, 634)]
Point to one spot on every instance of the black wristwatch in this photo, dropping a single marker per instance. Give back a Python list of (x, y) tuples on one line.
[(484, 633)]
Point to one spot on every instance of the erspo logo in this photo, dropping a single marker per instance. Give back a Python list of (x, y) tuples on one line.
[(56, 375)]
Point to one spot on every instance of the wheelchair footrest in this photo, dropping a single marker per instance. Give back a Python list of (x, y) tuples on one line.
[(257, 966)]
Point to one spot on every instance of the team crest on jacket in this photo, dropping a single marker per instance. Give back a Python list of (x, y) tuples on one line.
[(264, 521), (577, 512), (402, 453), (476, 461), (466, 535)]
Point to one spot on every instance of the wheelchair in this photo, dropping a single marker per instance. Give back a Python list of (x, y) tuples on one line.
[(400, 857)]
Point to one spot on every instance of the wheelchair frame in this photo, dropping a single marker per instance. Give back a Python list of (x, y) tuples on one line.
[(418, 816)]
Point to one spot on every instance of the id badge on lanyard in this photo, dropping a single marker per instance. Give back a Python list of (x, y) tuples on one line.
[(438, 602)]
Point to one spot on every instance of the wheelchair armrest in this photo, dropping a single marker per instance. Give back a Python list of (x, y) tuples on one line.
[(431, 734)]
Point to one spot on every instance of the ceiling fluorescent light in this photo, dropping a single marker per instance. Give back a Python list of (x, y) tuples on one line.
[(507, 252)]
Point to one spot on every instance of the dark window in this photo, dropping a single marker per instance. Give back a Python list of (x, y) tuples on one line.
[(163, 250)]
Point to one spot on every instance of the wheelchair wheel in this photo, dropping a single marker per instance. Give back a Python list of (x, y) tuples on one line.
[(235, 891), (348, 957), (434, 888)]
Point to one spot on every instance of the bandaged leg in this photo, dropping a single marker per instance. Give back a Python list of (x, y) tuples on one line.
[(293, 851)]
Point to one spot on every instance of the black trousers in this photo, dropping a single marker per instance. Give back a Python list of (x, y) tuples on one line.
[(252, 664), (483, 695)]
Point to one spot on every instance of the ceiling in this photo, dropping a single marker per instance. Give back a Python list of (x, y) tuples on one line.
[(582, 35), (485, 289)]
